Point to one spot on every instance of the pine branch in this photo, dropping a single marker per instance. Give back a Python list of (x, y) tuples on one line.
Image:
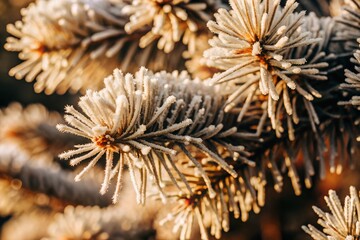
[(311, 108), (170, 22), (47, 178), (279, 156), (349, 22), (307, 138), (239, 195), (280, 76), (319, 7), (33, 225), (142, 119), (65, 44), (291, 66), (342, 222), (33, 129)]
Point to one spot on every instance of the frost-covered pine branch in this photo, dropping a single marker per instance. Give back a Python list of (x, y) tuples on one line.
[(268, 50), (281, 106), (32, 129), (169, 22), (349, 21), (142, 121), (65, 45), (343, 220), (49, 179)]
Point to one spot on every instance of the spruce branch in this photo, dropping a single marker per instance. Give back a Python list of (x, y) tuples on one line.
[(214, 191), (257, 37), (280, 107)]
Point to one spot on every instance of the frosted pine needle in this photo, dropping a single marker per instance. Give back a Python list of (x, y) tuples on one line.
[(253, 41), (54, 38), (170, 21), (342, 222)]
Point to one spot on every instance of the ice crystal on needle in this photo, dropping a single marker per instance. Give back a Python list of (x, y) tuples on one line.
[(311, 83)]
